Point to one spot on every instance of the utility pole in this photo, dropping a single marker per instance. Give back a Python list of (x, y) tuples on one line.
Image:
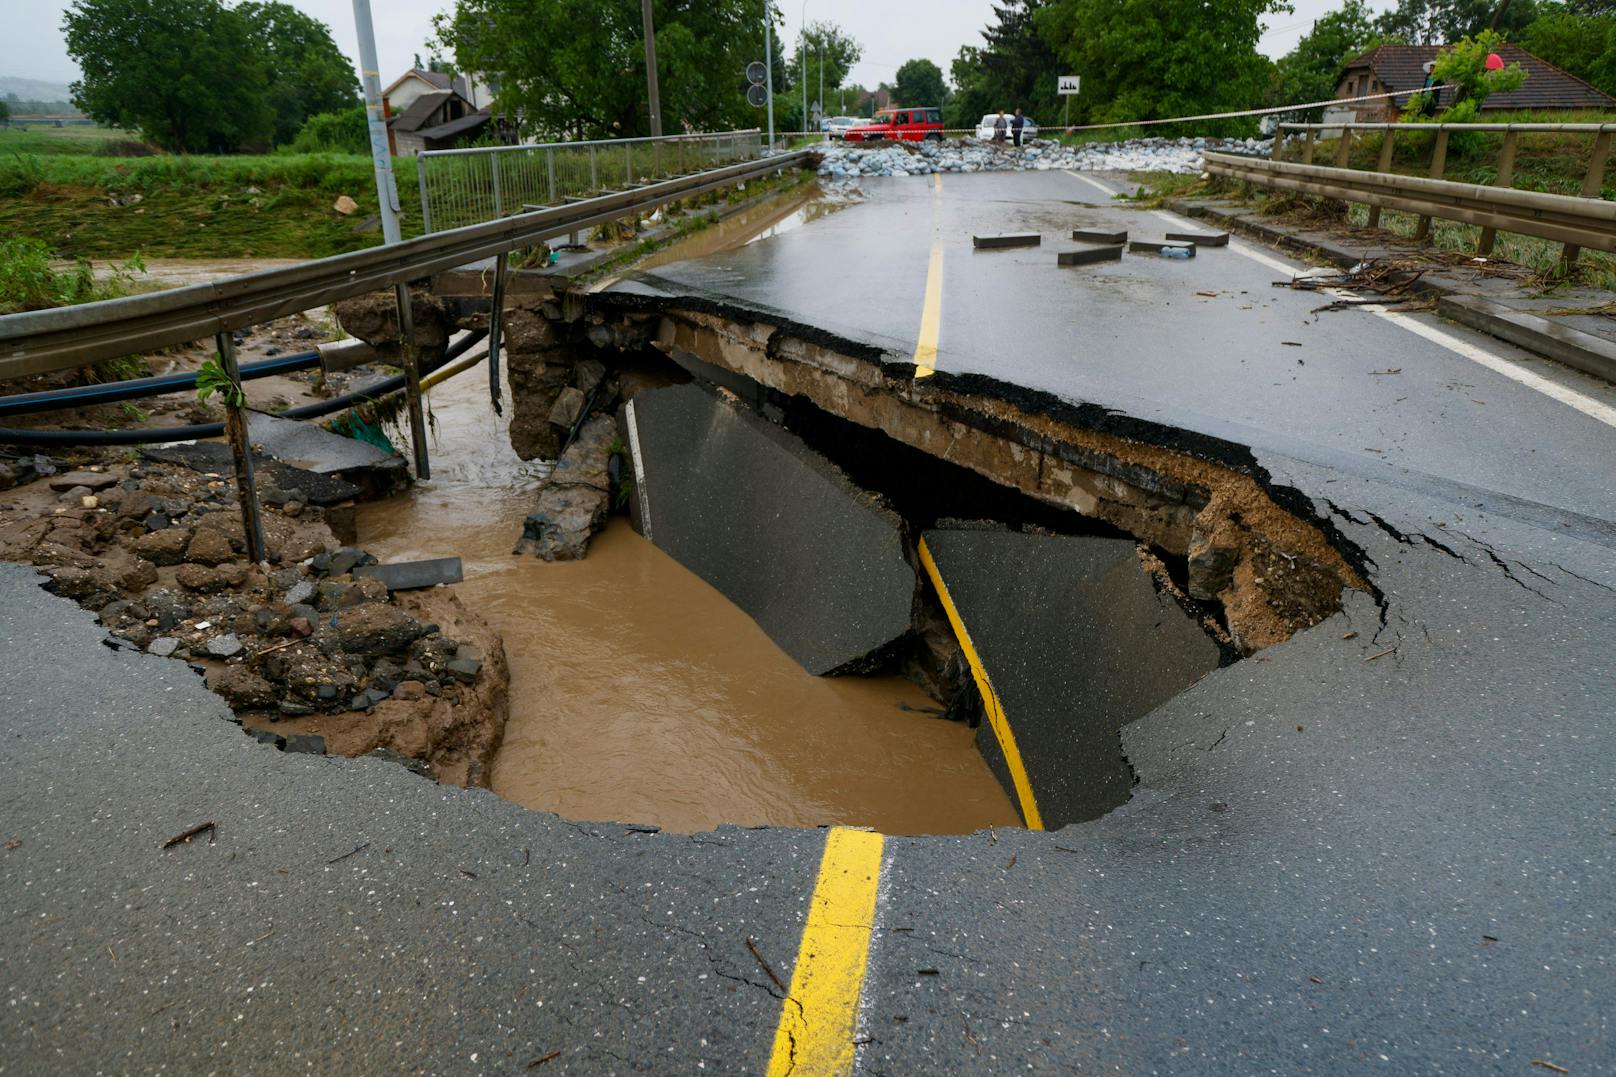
[(650, 68), (387, 196), (821, 76), (802, 59), (768, 67), (370, 78)]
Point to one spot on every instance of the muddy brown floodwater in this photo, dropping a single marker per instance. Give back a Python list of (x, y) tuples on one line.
[(640, 694)]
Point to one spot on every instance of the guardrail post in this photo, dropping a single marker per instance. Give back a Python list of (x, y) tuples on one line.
[(1279, 142), (1382, 164), (235, 428), (1307, 147), (426, 210), (1343, 149), (1593, 182), (656, 159), (412, 379), (496, 320), (1439, 165), (594, 172), (628, 167), (549, 159), (493, 173), (1505, 178)]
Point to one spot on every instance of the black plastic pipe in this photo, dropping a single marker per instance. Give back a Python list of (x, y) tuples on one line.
[(83, 396), (165, 435)]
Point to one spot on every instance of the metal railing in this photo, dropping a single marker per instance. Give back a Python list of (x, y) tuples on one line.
[(470, 186), (1496, 207), (62, 338)]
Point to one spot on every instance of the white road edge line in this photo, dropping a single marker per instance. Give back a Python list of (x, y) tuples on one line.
[(1590, 407), (639, 471)]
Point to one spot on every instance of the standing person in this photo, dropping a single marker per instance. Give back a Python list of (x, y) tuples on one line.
[(998, 129), (1016, 125)]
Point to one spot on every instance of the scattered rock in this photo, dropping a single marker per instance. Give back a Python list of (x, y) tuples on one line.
[(162, 646), (569, 404), (345, 206), (243, 689), (299, 592), (465, 670), (204, 579), (376, 629), (91, 481), (165, 546), (209, 547), (225, 646), (138, 576), (409, 690)]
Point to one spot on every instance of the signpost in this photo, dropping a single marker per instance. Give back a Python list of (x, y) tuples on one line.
[(1067, 86)]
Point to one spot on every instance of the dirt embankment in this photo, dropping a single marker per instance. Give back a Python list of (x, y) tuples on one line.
[(310, 656)]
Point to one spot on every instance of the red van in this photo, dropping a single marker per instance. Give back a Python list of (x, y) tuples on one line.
[(904, 124)]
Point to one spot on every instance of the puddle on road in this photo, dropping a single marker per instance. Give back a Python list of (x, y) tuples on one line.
[(640, 694)]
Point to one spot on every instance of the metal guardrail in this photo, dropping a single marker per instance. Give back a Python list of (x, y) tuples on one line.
[(1502, 204), (1572, 220), (38, 342), (470, 186)]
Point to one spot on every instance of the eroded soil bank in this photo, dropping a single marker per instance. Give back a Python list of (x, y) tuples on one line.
[(640, 694)]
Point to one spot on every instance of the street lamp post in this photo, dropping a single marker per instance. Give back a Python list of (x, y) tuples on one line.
[(802, 59), (768, 67), (650, 67)]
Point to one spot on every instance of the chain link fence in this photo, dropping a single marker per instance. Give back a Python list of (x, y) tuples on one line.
[(461, 187)]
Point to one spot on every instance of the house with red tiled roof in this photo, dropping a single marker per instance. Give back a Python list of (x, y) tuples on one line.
[(1400, 70)]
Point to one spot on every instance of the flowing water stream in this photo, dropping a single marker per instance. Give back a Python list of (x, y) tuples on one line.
[(640, 694)]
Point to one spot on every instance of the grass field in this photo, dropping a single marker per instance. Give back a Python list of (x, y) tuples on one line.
[(56, 187)]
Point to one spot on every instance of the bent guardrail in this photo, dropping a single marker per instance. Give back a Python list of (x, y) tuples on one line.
[(42, 341)]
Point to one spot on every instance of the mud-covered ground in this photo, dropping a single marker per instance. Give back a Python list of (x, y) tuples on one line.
[(308, 655)]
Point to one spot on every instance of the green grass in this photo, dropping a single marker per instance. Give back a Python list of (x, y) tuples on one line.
[(274, 206), (71, 140)]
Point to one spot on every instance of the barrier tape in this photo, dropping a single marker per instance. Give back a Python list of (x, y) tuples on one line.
[(1275, 110)]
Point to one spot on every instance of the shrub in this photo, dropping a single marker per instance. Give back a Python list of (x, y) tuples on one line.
[(27, 281), (347, 131)]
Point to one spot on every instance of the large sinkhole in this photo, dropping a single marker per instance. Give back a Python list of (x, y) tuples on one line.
[(792, 618)]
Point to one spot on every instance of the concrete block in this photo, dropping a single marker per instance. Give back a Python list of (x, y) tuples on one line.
[(1156, 246), (1111, 238), (414, 575), (1202, 239), (309, 446), (1076, 641), (569, 404), (771, 524), (1090, 255), (1007, 239)]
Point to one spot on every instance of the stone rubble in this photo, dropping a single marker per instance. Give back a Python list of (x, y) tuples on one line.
[(845, 161)]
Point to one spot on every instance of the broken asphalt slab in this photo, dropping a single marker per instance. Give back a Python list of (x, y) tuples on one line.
[(814, 560), (1076, 640)]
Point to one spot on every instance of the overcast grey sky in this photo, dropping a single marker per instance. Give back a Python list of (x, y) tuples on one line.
[(891, 31)]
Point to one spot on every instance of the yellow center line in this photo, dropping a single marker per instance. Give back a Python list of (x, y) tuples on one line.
[(931, 314), (997, 720), (819, 1016)]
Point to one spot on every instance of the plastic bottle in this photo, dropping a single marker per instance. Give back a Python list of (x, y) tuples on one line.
[(1174, 252)]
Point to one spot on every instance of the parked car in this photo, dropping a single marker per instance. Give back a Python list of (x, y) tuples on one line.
[(984, 130), (902, 124), (838, 126)]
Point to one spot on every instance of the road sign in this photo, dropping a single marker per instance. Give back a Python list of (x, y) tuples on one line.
[(757, 94), (756, 73), (1067, 84)]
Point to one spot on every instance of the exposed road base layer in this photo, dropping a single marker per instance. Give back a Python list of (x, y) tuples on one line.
[(1274, 571)]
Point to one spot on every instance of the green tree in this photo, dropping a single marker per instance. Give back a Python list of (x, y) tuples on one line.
[(1153, 59), (5, 112), (1584, 45), (823, 44), (308, 74), (576, 68), (1463, 65), (1310, 71), (1438, 22), (186, 74), (1014, 67), (919, 82)]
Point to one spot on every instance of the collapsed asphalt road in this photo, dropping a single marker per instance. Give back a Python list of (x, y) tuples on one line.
[(1384, 843)]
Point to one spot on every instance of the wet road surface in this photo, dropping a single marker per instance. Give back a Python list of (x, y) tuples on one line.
[(1384, 845)]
